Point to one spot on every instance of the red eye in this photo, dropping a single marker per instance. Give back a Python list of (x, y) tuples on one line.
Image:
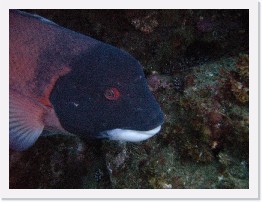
[(112, 93)]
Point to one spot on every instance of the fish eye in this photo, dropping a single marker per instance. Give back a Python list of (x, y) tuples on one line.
[(112, 93)]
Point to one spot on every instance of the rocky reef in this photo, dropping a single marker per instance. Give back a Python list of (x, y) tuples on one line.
[(197, 66), (199, 145)]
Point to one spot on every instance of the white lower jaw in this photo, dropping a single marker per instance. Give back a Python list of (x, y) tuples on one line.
[(129, 135)]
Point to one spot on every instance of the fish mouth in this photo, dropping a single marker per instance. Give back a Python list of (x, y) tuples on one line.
[(135, 133), (126, 135)]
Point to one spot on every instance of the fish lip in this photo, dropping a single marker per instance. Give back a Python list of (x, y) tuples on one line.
[(119, 134), (142, 129)]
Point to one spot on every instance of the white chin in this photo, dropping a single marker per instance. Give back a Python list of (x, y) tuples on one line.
[(129, 135)]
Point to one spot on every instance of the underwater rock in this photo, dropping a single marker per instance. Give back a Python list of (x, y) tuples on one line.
[(55, 161)]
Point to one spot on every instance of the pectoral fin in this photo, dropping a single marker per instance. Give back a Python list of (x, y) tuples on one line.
[(25, 121)]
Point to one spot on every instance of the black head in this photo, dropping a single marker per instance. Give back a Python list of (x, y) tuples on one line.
[(106, 89)]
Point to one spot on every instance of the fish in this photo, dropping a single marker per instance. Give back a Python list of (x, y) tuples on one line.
[(65, 82)]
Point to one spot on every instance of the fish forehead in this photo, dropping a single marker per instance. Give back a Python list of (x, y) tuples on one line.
[(106, 65), (106, 58)]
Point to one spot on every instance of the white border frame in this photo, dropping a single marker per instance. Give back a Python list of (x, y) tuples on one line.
[(254, 185)]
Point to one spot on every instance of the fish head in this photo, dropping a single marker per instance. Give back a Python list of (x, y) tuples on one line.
[(105, 95)]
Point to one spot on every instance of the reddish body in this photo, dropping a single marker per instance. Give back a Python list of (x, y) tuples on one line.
[(29, 36)]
